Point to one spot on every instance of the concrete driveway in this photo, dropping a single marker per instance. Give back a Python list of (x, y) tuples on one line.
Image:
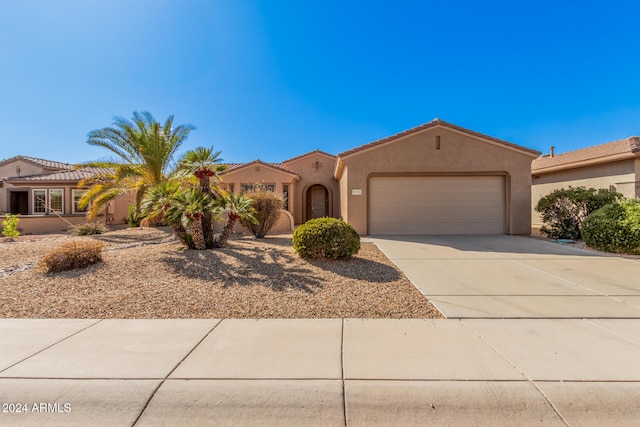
[(516, 277)]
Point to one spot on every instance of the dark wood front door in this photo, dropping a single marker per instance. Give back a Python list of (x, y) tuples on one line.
[(317, 202), (19, 202)]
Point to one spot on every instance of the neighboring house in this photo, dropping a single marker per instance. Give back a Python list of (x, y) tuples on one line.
[(614, 165), (437, 178), (45, 194)]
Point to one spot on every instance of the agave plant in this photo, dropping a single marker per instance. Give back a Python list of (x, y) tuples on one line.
[(238, 206)]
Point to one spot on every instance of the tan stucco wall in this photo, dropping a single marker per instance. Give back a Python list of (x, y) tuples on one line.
[(37, 224), (310, 175), (8, 171), (33, 224), (460, 153), (344, 191), (265, 175), (621, 176)]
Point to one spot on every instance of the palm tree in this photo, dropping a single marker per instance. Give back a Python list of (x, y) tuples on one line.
[(144, 151), (238, 206), (190, 205), (159, 202), (204, 164)]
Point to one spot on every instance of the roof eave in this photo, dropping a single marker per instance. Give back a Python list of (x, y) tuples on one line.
[(433, 125), (585, 163)]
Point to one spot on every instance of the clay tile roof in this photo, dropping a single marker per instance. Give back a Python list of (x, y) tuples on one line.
[(433, 123), (50, 164), (316, 151), (65, 175), (279, 166), (595, 154)]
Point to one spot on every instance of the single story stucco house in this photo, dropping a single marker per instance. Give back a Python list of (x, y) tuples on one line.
[(45, 194), (437, 178), (614, 165)]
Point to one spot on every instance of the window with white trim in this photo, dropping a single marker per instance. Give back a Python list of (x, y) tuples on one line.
[(39, 202), (46, 201), (77, 195)]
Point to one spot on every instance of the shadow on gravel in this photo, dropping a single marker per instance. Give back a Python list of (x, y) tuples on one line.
[(143, 235), (360, 269), (244, 266)]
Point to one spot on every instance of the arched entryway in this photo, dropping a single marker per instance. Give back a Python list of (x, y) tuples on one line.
[(317, 202)]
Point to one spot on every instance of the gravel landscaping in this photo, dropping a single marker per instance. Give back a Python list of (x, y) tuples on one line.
[(148, 274)]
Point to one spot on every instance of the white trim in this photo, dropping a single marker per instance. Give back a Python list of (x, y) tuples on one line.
[(73, 202), (47, 201), (61, 210), (33, 201)]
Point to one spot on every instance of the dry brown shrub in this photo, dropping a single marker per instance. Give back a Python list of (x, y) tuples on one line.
[(72, 255)]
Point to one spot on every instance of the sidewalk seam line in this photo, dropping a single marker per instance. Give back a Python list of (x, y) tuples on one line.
[(519, 370), (604, 328), (344, 391), (163, 380), (51, 345)]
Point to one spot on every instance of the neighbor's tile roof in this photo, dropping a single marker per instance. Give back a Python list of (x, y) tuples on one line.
[(434, 123), (65, 175), (50, 164), (601, 152)]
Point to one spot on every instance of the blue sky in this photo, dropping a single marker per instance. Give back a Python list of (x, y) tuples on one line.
[(274, 79)]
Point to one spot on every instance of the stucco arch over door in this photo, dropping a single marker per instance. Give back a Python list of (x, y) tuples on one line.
[(317, 202)]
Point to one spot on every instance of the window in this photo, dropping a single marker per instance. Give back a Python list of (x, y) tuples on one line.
[(55, 200), (46, 201), (77, 195), (249, 187), (39, 201)]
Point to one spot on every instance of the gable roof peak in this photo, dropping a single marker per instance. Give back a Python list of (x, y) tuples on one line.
[(49, 164), (439, 122)]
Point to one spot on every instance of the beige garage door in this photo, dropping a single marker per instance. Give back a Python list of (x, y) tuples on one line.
[(436, 205)]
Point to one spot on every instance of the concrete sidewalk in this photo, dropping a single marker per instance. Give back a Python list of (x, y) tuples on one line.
[(320, 372)]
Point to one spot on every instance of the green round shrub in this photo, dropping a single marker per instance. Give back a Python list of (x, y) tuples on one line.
[(326, 238), (614, 228)]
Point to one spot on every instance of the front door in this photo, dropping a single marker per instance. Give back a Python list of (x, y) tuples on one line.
[(19, 202), (317, 202)]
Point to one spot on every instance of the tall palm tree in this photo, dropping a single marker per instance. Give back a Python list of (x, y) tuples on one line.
[(204, 164), (238, 206), (144, 151)]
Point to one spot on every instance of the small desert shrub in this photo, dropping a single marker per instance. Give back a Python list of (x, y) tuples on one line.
[(133, 218), (267, 205), (72, 255), (614, 228), (10, 226), (88, 228), (563, 210), (326, 238)]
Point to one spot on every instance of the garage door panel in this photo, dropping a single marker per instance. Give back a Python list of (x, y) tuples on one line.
[(436, 205)]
